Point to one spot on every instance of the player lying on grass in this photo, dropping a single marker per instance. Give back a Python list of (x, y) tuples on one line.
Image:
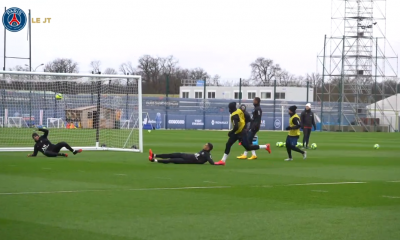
[(48, 149), (294, 133), (239, 132), (185, 158)]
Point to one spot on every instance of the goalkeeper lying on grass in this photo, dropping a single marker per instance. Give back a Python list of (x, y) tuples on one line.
[(44, 146), (185, 158)]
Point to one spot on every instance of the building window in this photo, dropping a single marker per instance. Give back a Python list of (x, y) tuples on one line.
[(237, 95), (280, 95), (210, 94), (265, 95), (198, 94), (251, 95), (185, 94), (89, 115)]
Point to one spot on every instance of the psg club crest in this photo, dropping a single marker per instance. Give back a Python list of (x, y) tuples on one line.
[(14, 19)]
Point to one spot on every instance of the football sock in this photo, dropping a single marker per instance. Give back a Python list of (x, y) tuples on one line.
[(245, 153), (296, 149), (155, 160), (253, 152), (224, 157), (263, 146)]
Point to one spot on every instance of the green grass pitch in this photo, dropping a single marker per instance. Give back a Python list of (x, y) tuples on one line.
[(119, 195)]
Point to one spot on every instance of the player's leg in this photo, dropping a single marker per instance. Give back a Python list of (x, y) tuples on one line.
[(253, 152), (304, 136), (168, 155), (308, 137), (231, 140), (177, 161), (288, 149), (250, 147), (247, 136), (55, 154), (57, 148), (243, 138), (293, 143)]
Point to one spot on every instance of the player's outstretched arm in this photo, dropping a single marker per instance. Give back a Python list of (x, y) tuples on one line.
[(209, 159), (34, 153), (46, 132)]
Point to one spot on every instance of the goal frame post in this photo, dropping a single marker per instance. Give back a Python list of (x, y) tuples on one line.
[(77, 76)]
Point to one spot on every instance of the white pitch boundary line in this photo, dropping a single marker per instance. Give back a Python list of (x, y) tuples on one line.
[(104, 190), (394, 181), (390, 197), (333, 183)]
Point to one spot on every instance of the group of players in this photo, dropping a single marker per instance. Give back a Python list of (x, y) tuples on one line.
[(244, 129)]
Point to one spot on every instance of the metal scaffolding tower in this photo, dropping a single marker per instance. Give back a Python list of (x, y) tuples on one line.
[(359, 68)]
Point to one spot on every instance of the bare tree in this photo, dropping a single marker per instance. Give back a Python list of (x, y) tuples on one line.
[(198, 74), (62, 65), (19, 68), (95, 66), (110, 71), (168, 64), (144, 67), (285, 78), (315, 79), (127, 68), (264, 71)]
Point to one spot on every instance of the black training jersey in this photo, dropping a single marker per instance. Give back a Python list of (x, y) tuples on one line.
[(43, 143), (204, 156), (256, 118), (247, 119)]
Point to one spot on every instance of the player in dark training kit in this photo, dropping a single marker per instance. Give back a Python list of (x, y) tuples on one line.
[(255, 123), (48, 149), (294, 133), (185, 158), (238, 132), (307, 121), (247, 120)]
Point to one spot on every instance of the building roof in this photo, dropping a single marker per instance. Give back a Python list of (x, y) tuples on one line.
[(391, 103)]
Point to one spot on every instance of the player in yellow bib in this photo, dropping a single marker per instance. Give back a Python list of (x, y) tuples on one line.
[(238, 132), (294, 134)]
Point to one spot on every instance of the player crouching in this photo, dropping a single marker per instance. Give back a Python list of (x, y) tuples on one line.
[(48, 149), (185, 158)]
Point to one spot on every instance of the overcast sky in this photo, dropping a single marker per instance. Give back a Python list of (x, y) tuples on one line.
[(221, 36)]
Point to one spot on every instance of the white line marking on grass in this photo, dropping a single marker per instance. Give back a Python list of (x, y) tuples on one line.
[(395, 181), (111, 190), (209, 182), (333, 183), (318, 191), (120, 174), (390, 197)]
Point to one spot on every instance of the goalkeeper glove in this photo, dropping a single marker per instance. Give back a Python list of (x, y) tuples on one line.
[(288, 128)]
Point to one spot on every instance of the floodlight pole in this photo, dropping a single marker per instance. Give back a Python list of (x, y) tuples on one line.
[(204, 104), (376, 73), (323, 84)]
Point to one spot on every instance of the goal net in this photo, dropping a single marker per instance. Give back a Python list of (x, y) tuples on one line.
[(85, 110)]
